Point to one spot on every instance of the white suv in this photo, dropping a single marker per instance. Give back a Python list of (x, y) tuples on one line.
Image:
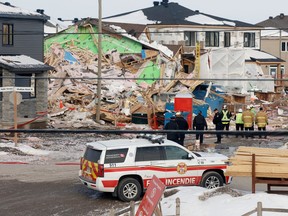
[(126, 166)]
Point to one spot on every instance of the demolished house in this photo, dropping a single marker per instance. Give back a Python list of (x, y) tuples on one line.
[(140, 80), (132, 72)]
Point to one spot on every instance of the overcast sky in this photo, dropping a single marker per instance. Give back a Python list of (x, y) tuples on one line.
[(250, 11)]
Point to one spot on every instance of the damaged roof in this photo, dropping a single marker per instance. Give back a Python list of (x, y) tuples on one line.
[(173, 14), (22, 63)]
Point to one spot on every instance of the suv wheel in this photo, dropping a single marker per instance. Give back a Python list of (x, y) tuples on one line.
[(129, 189), (212, 180)]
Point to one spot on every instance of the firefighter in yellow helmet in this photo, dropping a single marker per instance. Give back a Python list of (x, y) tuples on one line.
[(248, 119), (261, 120)]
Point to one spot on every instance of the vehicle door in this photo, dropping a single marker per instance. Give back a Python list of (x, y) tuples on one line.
[(182, 167), (149, 161)]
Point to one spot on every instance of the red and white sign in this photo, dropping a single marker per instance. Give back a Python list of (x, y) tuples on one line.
[(151, 198)]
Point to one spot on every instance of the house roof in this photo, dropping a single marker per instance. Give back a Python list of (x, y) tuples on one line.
[(10, 11), (261, 57), (280, 21), (132, 29), (173, 14), (22, 63)]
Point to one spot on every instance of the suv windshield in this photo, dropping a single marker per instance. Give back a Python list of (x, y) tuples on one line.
[(92, 155)]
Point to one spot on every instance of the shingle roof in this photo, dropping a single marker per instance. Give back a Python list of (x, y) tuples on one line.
[(175, 14), (280, 21), (10, 11)]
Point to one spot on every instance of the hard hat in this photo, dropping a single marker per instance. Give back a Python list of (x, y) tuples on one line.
[(224, 107), (248, 107), (240, 110)]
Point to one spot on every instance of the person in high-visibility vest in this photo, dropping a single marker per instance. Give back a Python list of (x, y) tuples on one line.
[(248, 119), (239, 122), (261, 120), (226, 117)]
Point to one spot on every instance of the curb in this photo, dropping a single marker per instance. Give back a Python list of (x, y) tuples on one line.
[(57, 164)]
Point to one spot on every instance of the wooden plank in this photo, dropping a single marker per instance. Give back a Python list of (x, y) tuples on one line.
[(263, 151), (259, 159), (261, 171)]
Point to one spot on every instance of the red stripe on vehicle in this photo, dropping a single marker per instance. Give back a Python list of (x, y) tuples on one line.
[(110, 183), (161, 169)]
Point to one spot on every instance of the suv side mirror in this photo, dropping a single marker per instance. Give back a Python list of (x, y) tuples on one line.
[(190, 156)]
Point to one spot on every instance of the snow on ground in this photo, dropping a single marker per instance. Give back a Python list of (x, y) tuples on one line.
[(223, 204), (68, 147)]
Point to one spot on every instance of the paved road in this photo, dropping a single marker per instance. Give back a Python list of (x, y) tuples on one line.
[(34, 190), (55, 190)]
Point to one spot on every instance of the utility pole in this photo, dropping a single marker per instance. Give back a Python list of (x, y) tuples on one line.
[(99, 61)]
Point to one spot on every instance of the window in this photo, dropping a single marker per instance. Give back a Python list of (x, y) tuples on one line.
[(273, 71), (284, 46), (175, 153), (148, 154), (25, 80), (92, 155), (227, 39), (190, 38), (249, 39), (7, 34), (116, 156), (212, 39)]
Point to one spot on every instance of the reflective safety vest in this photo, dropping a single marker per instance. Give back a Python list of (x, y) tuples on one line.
[(239, 118), (225, 119)]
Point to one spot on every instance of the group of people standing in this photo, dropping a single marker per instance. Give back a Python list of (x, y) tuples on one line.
[(249, 118), (177, 122), (243, 121)]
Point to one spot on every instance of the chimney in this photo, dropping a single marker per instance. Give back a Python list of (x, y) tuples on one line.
[(196, 11), (281, 15), (41, 11), (165, 3), (75, 20), (270, 17), (7, 4), (155, 3)]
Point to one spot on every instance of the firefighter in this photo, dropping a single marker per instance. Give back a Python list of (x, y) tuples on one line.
[(248, 119), (239, 122), (226, 117), (261, 120)]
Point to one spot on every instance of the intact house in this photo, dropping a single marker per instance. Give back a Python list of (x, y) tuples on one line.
[(274, 39), (21, 65), (200, 33)]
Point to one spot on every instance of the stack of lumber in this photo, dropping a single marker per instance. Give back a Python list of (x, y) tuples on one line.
[(269, 163)]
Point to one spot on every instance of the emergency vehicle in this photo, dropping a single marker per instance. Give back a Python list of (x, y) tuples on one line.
[(125, 167)]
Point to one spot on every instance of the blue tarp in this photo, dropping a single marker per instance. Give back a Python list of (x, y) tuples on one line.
[(70, 58)]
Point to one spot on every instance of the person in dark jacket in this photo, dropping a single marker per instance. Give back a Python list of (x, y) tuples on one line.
[(182, 125), (172, 125), (199, 123), (217, 120)]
